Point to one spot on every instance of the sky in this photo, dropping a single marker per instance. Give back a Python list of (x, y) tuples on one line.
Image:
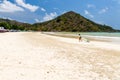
[(32, 11)]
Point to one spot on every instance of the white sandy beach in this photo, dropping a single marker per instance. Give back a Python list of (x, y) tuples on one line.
[(36, 56)]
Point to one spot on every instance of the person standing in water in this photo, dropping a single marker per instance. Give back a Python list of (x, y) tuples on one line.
[(83, 39), (80, 38)]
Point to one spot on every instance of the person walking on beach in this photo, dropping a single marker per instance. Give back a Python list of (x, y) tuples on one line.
[(80, 38)]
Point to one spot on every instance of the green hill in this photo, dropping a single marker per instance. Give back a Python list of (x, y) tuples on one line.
[(12, 24), (68, 22), (72, 22)]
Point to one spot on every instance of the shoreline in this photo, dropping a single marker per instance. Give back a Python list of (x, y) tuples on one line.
[(89, 37), (105, 44)]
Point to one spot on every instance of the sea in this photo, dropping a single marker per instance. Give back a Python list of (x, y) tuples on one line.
[(113, 37), (107, 34)]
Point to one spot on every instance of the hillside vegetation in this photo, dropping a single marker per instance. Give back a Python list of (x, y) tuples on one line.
[(12, 24), (68, 22)]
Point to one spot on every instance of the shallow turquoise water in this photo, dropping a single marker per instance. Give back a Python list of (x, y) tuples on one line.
[(107, 34), (113, 37), (101, 34)]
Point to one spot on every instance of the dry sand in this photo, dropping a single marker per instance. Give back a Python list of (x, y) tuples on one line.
[(36, 56)]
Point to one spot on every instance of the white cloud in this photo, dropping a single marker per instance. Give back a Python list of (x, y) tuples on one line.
[(91, 6), (37, 20), (103, 10), (49, 16), (99, 22), (42, 9), (88, 13), (7, 6), (22, 3), (64, 12), (7, 18)]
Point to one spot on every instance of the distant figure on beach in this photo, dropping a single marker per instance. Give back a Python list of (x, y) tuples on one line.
[(80, 38)]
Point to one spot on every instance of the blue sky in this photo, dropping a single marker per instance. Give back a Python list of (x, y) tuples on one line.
[(101, 11)]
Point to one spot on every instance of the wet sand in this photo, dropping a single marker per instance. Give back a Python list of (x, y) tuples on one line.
[(36, 56)]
